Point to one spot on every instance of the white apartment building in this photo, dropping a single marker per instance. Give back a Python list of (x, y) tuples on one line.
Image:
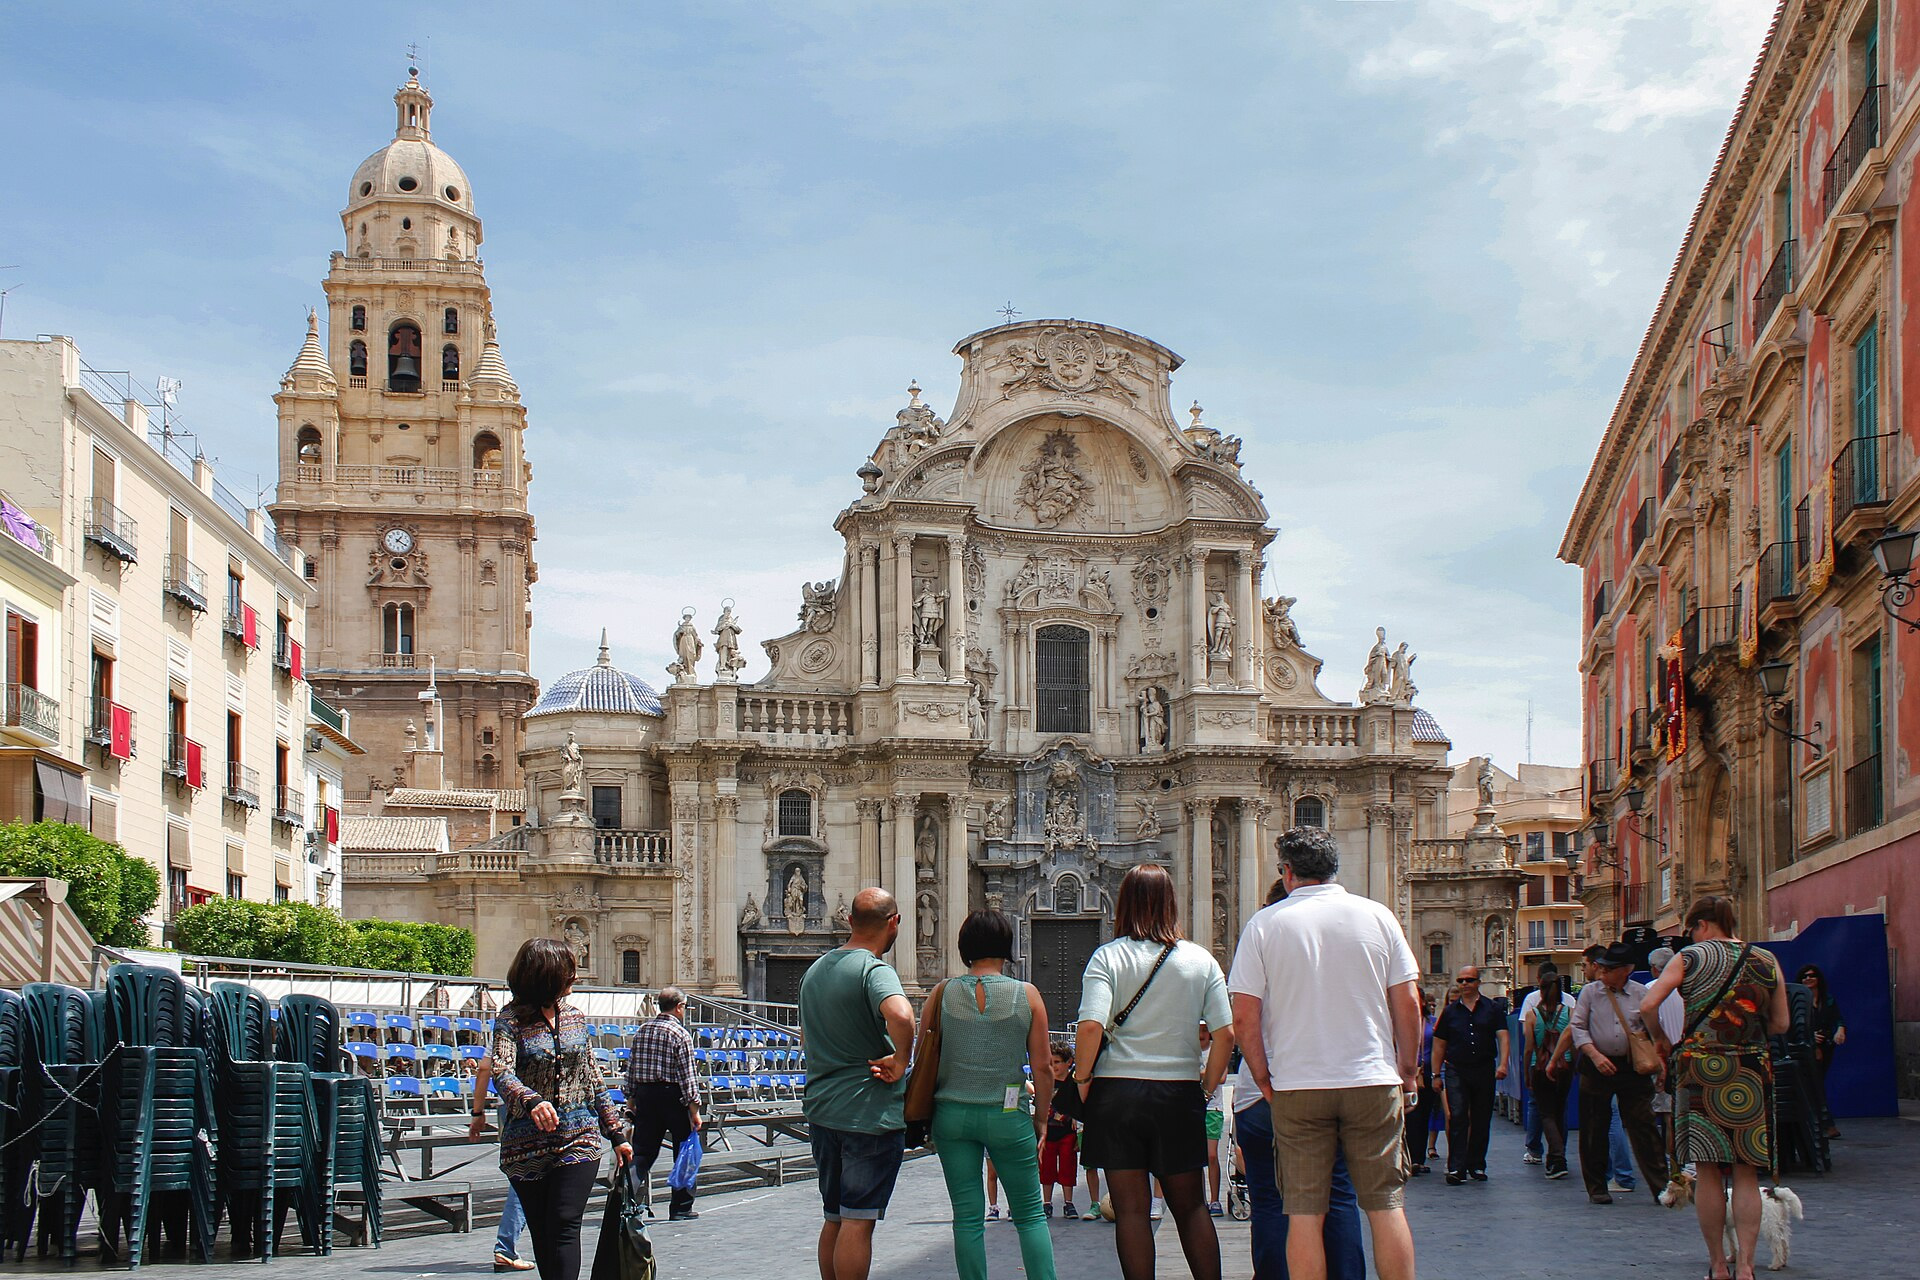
[(176, 660), (330, 745)]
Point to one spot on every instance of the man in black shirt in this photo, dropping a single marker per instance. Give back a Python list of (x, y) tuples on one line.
[(1470, 1054)]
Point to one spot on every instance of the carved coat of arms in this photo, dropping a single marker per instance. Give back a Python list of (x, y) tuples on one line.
[(1072, 359), (1054, 484)]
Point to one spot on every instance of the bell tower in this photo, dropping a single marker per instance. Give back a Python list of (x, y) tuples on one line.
[(403, 472)]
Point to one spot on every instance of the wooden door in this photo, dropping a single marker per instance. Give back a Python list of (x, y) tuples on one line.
[(1061, 949)]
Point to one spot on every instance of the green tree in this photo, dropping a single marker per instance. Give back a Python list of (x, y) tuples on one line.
[(110, 890)]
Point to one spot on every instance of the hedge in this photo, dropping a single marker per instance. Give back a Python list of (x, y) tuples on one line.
[(297, 933), (111, 890)]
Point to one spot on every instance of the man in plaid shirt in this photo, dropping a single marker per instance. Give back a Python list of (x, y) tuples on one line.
[(661, 1093)]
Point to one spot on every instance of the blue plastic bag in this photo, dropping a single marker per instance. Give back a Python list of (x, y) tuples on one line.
[(686, 1164)]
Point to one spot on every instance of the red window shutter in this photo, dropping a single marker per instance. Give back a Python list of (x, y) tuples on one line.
[(333, 825), (196, 767), (250, 626), (120, 735), (295, 666)]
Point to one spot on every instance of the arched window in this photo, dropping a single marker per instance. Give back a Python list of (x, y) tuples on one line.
[(403, 358), (396, 633), (486, 452), (359, 320), (1062, 682), (450, 363), (453, 320), (307, 445), (357, 359), (795, 813), (1310, 811), (630, 967)]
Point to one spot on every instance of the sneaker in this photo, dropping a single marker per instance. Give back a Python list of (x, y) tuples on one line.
[(1556, 1172), (1155, 1210), (1618, 1185), (1456, 1179), (1478, 1175), (993, 1213), (1092, 1214), (1531, 1158), (1068, 1213), (683, 1215), (502, 1262), (1213, 1208), (1046, 1210)]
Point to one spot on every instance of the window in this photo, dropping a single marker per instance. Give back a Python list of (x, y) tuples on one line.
[(629, 959), (358, 320), (236, 886), (1561, 937), (176, 734), (23, 651), (795, 813), (397, 629), (1562, 886), (403, 358), (177, 890), (486, 452), (283, 799), (105, 487), (236, 590), (357, 359), (1536, 846), (101, 721), (235, 737), (1064, 681), (307, 446), (1783, 493), (279, 893), (1666, 884), (1866, 382), (450, 363), (1536, 935), (453, 320), (1310, 811), (606, 808), (1560, 844), (1436, 958)]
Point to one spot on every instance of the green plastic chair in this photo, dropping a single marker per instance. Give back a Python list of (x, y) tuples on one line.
[(268, 1159), (16, 1160), (61, 1066), (348, 1151)]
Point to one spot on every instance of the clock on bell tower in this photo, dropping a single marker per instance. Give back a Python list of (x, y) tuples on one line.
[(402, 449)]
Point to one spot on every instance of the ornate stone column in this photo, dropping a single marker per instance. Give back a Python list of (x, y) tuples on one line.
[(1243, 621), (861, 589), (903, 608), (726, 911), (905, 891), (869, 811), (1378, 883), (953, 900), (1197, 614), (884, 566), (956, 607), (1251, 892), (1200, 887)]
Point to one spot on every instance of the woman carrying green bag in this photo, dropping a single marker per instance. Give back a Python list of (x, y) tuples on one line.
[(1550, 1068)]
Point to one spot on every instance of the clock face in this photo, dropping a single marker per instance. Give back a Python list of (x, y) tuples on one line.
[(398, 541)]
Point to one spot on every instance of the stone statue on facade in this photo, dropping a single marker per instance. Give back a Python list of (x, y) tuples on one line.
[(1485, 781), (576, 938), (996, 820), (749, 914), (573, 768), (1402, 691), (1153, 720), (1148, 827), (687, 647), (1098, 591), (1496, 940), (1219, 627), (926, 845), (1379, 683), (816, 605), (727, 658), (842, 918), (1280, 623), (796, 902), (929, 614), (976, 714)]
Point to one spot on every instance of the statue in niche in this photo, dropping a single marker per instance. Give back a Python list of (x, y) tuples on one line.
[(573, 767), (749, 914), (1222, 922), (1484, 779), (929, 614), (926, 845), (1496, 940), (996, 820), (1149, 825), (1402, 691), (727, 658), (976, 714), (796, 902), (1063, 826), (576, 938), (927, 926), (842, 918), (1219, 627), (1052, 484), (1153, 720), (1379, 682), (687, 647), (1280, 622), (1220, 838)]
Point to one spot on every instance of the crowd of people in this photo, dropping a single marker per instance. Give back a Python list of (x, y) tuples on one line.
[(1342, 1085)]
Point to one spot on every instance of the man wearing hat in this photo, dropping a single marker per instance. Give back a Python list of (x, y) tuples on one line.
[(1606, 1013)]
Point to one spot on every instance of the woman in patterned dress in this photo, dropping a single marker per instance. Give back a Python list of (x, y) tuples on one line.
[(1724, 1092), (555, 1105)]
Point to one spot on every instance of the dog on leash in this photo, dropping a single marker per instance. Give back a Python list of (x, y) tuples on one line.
[(1779, 1206)]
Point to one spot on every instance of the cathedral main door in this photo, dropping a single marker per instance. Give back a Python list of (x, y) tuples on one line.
[(783, 977), (1061, 949)]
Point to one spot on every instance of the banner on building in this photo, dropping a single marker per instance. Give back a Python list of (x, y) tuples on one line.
[(1819, 549), (1676, 699), (1747, 615)]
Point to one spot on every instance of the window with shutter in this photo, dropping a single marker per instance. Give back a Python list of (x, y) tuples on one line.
[(1063, 683)]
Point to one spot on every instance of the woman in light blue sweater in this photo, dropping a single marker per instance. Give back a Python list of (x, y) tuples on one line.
[(991, 1027)]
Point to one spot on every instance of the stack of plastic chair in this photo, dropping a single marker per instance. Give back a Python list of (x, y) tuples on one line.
[(267, 1121), (16, 1158), (348, 1151), (161, 1135), (60, 1089)]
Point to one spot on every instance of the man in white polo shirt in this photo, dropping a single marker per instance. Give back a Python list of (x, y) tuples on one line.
[(1326, 1010)]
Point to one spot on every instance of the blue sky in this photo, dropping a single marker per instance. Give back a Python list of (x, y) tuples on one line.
[(1407, 249)]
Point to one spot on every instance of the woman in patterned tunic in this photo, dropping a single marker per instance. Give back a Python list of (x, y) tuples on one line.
[(555, 1104), (1724, 1091)]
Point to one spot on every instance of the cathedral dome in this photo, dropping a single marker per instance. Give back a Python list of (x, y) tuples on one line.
[(602, 688), (411, 166)]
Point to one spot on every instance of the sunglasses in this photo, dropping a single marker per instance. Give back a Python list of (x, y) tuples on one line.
[(1466, 982)]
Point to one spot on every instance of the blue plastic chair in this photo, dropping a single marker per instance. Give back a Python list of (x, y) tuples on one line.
[(404, 1087), (361, 1018), (474, 1051), (623, 1054), (618, 1095)]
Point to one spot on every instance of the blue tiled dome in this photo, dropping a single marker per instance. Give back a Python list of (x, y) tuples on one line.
[(602, 688)]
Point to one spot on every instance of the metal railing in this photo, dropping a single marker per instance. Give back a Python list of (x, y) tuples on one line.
[(1860, 475), (234, 623), (1636, 900), (288, 806), (174, 763), (326, 714), (186, 582), (1779, 572), (36, 537), (243, 785), (283, 651), (1601, 775), (1640, 731), (117, 534), (1866, 807), (1602, 603), (1775, 284), (1861, 135), (100, 724), (1705, 630), (32, 710), (1670, 466), (1643, 525)]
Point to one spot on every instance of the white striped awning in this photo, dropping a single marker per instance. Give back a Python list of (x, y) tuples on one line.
[(26, 913)]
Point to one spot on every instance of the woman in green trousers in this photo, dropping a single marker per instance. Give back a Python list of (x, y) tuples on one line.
[(992, 1026)]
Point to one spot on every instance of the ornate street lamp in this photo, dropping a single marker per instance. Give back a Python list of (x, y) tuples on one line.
[(1635, 798), (1893, 552), (1777, 677)]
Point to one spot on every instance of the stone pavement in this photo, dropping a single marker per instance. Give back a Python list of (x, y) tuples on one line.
[(1516, 1227)]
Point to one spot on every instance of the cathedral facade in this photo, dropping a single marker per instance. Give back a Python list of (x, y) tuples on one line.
[(1047, 659)]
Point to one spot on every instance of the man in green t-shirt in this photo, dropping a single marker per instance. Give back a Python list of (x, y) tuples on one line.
[(858, 1030)]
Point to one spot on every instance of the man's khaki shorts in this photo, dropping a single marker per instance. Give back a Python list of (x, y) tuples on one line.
[(1311, 1126)]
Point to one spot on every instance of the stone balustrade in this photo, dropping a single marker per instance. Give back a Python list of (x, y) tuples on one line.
[(478, 862), (789, 716), (1314, 728), (626, 848), (1438, 855), (388, 866)]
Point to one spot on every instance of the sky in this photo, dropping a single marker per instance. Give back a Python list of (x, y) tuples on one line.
[(1407, 248)]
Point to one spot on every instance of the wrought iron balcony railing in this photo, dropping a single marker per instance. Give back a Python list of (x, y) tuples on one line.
[(243, 785), (1670, 467), (1779, 572), (1866, 807), (1862, 135), (1776, 284), (116, 534), (288, 806), (1706, 630), (1860, 476), (1643, 525), (186, 582), (1602, 604)]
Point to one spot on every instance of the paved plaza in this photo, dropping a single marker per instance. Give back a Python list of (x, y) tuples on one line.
[(1516, 1226)]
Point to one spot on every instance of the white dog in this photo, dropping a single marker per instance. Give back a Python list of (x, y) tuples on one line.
[(1779, 1206)]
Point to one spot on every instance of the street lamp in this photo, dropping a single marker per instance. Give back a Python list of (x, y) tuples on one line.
[(1776, 677), (1893, 553), (1635, 798)]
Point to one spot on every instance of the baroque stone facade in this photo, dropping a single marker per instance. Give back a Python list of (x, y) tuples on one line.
[(1046, 660)]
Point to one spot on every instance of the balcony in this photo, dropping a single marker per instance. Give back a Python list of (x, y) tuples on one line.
[(1640, 733), (325, 714), (1861, 136), (1671, 466), (243, 785), (796, 719), (1601, 605), (32, 711), (1602, 777), (186, 582), (624, 848), (395, 661), (111, 726), (174, 764), (1861, 488), (1636, 901), (287, 805), (283, 651), (112, 532), (1866, 807), (1642, 526), (1779, 574), (1706, 630), (1776, 284)]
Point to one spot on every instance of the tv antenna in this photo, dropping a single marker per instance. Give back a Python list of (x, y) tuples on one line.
[(1529, 730), (3, 298)]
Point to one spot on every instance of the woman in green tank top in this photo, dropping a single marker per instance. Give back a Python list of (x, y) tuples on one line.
[(992, 1027)]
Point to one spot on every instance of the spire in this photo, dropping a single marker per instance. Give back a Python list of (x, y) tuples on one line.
[(414, 105), (491, 371), (311, 363), (606, 656)]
